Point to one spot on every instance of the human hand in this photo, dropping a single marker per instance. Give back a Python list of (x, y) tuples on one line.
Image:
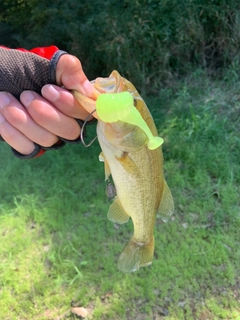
[(42, 119)]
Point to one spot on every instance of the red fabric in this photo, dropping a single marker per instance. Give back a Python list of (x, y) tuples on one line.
[(45, 52), (40, 153)]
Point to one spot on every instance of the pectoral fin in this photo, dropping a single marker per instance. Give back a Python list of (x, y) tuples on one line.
[(116, 213), (101, 157), (166, 207)]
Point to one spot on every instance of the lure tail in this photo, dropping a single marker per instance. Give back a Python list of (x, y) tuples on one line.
[(136, 255)]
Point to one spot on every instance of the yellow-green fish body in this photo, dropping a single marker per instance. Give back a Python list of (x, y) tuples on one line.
[(138, 176)]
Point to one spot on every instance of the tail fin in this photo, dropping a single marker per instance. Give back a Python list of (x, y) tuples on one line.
[(136, 255)]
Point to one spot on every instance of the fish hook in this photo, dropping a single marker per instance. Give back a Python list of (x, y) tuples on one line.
[(82, 132)]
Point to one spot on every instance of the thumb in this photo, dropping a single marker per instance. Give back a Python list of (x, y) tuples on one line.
[(70, 74)]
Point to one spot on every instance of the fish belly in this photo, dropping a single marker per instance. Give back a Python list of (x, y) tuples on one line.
[(138, 179)]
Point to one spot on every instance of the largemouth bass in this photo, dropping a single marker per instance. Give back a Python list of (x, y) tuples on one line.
[(137, 172)]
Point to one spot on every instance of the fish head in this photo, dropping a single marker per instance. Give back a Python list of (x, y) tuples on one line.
[(119, 126), (115, 83), (111, 84), (124, 109)]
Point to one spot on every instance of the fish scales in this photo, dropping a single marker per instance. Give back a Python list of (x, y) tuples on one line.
[(137, 173), (138, 190)]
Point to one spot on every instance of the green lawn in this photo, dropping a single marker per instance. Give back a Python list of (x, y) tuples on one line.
[(58, 249)]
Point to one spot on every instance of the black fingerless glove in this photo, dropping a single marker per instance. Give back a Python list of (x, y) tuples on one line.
[(21, 71)]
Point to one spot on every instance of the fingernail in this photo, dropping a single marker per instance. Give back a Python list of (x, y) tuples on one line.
[(4, 99), (50, 93), (26, 98)]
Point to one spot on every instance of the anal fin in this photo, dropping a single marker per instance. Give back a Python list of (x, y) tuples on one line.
[(116, 213), (166, 207)]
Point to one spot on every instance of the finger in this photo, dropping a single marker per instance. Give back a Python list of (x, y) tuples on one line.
[(48, 117), (15, 138), (69, 73), (17, 116), (64, 101)]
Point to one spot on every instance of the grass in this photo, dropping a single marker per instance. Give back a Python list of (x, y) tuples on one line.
[(58, 249)]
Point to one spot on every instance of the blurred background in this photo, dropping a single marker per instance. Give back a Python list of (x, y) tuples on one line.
[(150, 42), (58, 251)]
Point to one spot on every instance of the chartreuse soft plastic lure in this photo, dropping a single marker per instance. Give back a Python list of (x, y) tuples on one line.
[(112, 107)]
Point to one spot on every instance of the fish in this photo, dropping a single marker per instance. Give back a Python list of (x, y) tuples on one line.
[(136, 170)]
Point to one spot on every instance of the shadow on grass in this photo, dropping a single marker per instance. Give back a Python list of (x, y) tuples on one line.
[(58, 248)]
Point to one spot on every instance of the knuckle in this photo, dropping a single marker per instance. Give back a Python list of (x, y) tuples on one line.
[(48, 141), (75, 63), (74, 131), (71, 132)]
